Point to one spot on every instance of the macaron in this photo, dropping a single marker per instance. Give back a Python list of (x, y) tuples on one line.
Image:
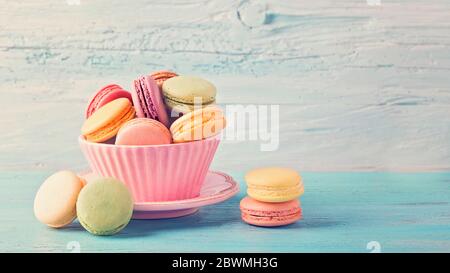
[(274, 184), (143, 131), (264, 214), (183, 93), (199, 124), (104, 206), (104, 96), (161, 76), (148, 101), (104, 123), (55, 201)]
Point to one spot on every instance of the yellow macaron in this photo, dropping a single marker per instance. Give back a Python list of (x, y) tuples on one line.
[(198, 124), (274, 184)]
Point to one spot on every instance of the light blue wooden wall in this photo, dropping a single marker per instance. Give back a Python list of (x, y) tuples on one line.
[(360, 87)]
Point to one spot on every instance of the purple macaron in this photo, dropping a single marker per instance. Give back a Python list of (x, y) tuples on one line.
[(148, 101)]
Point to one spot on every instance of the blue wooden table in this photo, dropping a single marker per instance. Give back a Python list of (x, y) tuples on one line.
[(389, 212)]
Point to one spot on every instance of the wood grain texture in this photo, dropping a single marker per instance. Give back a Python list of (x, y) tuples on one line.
[(342, 213), (360, 87)]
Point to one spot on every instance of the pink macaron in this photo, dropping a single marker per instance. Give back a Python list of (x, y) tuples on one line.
[(143, 131), (264, 214), (105, 95), (148, 101)]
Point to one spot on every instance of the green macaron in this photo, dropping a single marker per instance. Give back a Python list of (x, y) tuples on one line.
[(104, 206), (182, 92)]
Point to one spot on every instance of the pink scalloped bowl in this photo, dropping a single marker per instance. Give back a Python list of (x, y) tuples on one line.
[(154, 173)]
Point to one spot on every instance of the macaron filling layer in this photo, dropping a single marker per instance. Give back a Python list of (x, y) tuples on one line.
[(280, 218), (183, 107), (191, 101), (276, 191), (271, 218), (271, 214)]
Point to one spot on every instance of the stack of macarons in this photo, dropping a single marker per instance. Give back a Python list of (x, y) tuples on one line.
[(272, 197), (162, 108), (103, 206)]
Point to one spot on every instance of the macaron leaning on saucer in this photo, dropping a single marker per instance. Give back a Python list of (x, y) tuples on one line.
[(266, 214), (148, 101), (274, 184), (199, 124), (182, 93), (106, 121), (143, 131), (104, 96), (104, 206), (55, 201)]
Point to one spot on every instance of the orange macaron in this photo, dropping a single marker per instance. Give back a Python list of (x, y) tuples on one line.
[(104, 123)]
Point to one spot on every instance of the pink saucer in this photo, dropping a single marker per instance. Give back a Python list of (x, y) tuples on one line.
[(217, 188)]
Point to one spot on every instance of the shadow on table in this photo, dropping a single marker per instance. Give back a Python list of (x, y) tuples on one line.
[(215, 217), (211, 216)]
